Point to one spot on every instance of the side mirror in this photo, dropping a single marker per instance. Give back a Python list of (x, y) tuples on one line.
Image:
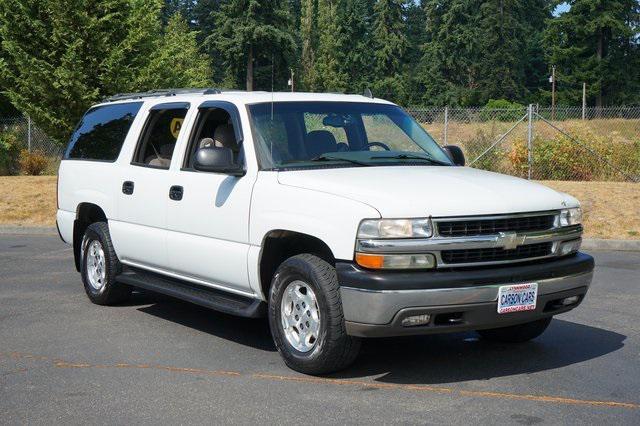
[(455, 153), (217, 160)]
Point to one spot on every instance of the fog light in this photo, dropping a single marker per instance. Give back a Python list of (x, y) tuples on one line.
[(416, 320), (569, 247), (570, 300)]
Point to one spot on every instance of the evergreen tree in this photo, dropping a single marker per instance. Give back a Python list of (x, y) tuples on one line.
[(390, 45), (309, 44), (416, 37), (416, 29), (176, 60), (359, 56), (185, 8), (501, 57), (478, 50), (449, 69), (249, 31), (597, 42), (332, 46), (57, 59), (202, 19)]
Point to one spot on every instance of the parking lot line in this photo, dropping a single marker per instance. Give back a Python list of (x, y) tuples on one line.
[(422, 388), (59, 363)]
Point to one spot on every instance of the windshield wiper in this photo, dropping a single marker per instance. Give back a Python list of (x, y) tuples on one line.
[(411, 157), (324, 157)]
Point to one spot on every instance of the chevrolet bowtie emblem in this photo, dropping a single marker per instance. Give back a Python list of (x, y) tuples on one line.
[(509, 240)]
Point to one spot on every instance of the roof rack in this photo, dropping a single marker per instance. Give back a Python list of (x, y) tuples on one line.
[(162, 92)]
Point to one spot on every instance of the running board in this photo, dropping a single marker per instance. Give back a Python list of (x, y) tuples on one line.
[(200, 295)]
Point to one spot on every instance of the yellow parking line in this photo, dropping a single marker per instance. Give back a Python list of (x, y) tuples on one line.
[(328, 381), (423, 388)]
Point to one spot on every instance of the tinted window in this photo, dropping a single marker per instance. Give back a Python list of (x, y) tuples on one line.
[(102, 131), (156, 144), (341, 134)]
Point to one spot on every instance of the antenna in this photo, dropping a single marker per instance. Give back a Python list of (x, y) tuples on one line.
[(272, 78), (367, 93)]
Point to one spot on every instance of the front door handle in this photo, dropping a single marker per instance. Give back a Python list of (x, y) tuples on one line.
[(127, 187), (176, 192)]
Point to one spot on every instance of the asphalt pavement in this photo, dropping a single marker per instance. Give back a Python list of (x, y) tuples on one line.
[(156, 360)]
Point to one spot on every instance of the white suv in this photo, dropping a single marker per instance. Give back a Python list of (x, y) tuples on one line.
[(336, 216)]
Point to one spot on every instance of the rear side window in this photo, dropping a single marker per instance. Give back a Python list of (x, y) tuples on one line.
[(159, 137), (102, 131)]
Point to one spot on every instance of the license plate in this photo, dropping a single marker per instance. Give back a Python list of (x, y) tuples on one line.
[(517, 298)]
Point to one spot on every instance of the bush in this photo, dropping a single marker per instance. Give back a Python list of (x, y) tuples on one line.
[(9, 153), (502, 110), (33, 163), (559, 158)]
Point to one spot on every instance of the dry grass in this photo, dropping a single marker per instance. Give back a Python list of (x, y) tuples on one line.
[(618, 130), (28, 200), (611, 209)]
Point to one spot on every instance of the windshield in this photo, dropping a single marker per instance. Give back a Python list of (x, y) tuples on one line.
[(340, 134)]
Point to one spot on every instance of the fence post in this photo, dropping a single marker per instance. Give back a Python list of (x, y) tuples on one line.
[(584, 100), (530, 140), (29, 134), (446, 124)]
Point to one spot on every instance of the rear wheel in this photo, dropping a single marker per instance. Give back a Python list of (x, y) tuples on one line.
[(100, 266), (517, 333), (306, 318)]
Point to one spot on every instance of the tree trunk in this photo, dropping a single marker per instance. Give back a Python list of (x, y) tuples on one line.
[(250, 69)]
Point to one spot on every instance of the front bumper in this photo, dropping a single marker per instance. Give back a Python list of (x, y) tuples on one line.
[(375, 303)]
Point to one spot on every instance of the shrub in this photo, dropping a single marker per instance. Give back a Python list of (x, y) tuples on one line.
[(557, 157), (9, 153), (502, 110), (33, 163)]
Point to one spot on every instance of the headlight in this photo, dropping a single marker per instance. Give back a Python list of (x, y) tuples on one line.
[(395, 228), (569, 217)]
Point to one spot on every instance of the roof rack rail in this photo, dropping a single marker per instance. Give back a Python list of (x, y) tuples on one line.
[(162, 92)]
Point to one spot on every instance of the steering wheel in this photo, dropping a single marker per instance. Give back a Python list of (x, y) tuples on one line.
[(379, 144)]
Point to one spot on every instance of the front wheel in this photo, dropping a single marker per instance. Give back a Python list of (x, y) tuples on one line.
[(517, 333), (306, 318)]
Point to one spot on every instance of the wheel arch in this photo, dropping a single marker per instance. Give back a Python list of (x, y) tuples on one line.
[(281, 244), (86, 214)]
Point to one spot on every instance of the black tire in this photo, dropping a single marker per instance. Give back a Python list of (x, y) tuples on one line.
[(334, 349), (111, 291), (517, 333)]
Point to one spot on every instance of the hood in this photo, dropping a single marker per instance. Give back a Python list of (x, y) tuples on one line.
[(420, 191)]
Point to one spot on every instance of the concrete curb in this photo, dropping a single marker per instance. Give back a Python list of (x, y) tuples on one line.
[(615, 245), (587, 243), (27, 230)]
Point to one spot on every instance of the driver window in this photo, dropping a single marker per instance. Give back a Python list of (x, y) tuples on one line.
[(156, 144), (213, 128)]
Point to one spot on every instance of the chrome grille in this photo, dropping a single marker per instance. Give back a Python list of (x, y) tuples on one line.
[(496, 254), (461, 242), (480, 226)]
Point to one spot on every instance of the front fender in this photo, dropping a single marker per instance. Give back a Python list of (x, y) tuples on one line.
[(332, 219)]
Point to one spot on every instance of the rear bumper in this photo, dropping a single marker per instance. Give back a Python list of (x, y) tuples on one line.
[(456, 300)]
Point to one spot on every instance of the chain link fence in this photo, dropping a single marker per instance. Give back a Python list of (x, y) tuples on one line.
[(565, 143), (18, 134), (590, 144), (30, 137)]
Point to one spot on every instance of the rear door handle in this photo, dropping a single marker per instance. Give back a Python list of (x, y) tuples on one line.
[(176, 192), (127, 187)]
